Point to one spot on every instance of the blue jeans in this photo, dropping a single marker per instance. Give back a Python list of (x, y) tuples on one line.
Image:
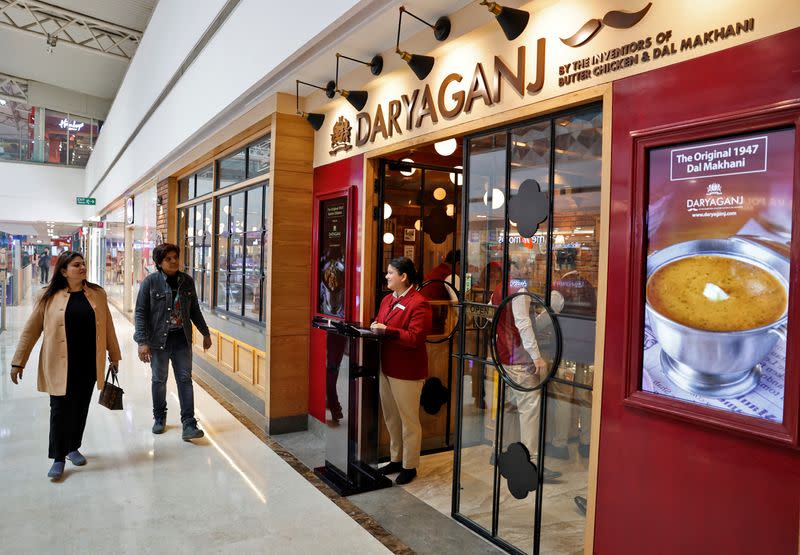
[(179, 351)]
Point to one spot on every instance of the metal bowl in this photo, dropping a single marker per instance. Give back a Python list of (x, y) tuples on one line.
[(712, 363)]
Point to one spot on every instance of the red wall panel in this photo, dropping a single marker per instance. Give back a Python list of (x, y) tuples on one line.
[(666, 485), (337, 177)]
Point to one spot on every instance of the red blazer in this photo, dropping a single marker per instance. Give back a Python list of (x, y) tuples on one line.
[(408, 322)]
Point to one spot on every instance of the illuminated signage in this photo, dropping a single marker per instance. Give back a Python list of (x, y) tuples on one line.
[(71, 125)]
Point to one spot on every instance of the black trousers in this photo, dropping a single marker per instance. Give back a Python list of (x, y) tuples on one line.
[(68, 413), (45, 274)]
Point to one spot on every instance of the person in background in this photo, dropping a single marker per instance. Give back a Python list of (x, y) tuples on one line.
[(166, 307), (44, 267), (405, 318), (73, 317), (518, 352), (448, 272)]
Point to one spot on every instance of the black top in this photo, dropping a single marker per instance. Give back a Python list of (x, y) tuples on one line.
[(175, 320), (80, 327)]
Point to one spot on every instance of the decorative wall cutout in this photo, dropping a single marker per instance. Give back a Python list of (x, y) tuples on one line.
[(615, 18), (434, 395), (528, 208), (438, 225), (520, 473)]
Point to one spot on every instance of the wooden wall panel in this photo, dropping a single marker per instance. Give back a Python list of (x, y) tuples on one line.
[(245, 365), (227, 355)]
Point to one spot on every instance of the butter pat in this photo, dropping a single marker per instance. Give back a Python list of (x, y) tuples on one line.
[(714, 293)]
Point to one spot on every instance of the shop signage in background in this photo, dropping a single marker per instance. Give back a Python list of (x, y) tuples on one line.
[(71, 125), (332, 247), (86, 201), (340, 137), (129, 210), (719, 232)]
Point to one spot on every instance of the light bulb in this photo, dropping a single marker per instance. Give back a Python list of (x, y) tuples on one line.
[(498, 198), (387, 211), (439, 193), (456, 178), (388, 238), (446, 148), (408, 173)]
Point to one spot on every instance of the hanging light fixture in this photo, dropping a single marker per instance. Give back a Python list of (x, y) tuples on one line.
[(410, 171), (445, 148), (511, 20), (439, 193), (387, 211), (358, 99), (388, 238), (497, 200), (316, 120), (455, 177), (419, 64)]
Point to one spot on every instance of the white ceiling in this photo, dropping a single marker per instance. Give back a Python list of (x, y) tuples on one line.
[(38, 231), (68, 66)]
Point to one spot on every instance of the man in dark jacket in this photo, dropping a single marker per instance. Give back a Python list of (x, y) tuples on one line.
[(165, 309)]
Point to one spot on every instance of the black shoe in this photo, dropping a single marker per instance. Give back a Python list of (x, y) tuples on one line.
[(159, 427), (336, 413), (580, 502), (191, 431), (557, 452), (583, 449), (405, 476), (391, 468), (550, 475)]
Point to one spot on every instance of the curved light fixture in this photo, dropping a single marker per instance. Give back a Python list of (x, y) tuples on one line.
[(409, 172), (446, 148), (439, 193), (455, 177), (419, 64), (388, 238), (315, 120), (511, 20), (357, 99), (498, 198), (387, 211)]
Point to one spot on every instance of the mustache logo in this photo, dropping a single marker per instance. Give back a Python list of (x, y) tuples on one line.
[(616, 19)]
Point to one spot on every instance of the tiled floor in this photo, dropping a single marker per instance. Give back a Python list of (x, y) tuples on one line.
[(141, 493)]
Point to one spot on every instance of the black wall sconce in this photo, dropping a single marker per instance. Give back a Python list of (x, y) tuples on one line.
[(419, 64), (512, 20), (316, 120), (358, 99)]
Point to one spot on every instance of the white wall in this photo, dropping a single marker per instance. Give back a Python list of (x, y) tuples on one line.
[(40, 193), (253, 42)]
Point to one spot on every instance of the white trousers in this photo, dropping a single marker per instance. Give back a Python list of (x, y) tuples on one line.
[(400, 404), (527, 403)]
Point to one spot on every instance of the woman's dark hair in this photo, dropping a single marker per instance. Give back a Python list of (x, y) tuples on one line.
[(58, 282), (161, 251), (405, 265)]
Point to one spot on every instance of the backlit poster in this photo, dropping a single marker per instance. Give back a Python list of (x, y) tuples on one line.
[(717, 272), (332, 246)]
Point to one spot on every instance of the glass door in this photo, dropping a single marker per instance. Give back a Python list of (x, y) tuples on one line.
[(526, 344)]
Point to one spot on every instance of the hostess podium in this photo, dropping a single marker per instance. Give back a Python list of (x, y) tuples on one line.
[(351, 434)]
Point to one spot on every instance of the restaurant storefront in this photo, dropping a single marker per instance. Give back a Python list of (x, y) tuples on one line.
[(564, 169)]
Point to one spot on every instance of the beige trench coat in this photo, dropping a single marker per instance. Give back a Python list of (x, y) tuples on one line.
[(49, 321)]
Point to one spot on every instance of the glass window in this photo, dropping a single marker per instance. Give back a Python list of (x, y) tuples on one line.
[(205, 181), (185, 188), (80, 140), (258, 155), (144, 237), (232, 169), (56, 137)]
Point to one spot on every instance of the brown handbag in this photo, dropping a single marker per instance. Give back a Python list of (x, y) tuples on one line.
[(111, 395)]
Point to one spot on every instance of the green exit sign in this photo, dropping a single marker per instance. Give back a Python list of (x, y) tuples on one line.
[(89, 201)]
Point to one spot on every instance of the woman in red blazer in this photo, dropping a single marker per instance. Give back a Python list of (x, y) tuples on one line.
[(405, 317)]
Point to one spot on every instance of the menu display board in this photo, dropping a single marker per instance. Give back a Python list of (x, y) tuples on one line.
[(719, 218), (332, 247)]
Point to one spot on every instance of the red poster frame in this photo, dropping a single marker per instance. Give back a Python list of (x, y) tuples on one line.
[(785, 114), (349, 255)]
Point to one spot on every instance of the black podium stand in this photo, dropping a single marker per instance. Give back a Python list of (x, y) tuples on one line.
[(352, 397)]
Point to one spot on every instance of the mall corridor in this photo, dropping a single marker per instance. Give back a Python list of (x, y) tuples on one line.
[(141, 493)]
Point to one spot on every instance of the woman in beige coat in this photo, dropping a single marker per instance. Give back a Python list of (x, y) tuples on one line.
[(73, 316)]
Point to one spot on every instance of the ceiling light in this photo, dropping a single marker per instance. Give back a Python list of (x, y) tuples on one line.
[(315, 120), (419, 64), (446, 148), (387, 211), (511, 20), (456, 178), (388, 238), (409, 172), (439, 193), (498, 198), (2, 102)]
